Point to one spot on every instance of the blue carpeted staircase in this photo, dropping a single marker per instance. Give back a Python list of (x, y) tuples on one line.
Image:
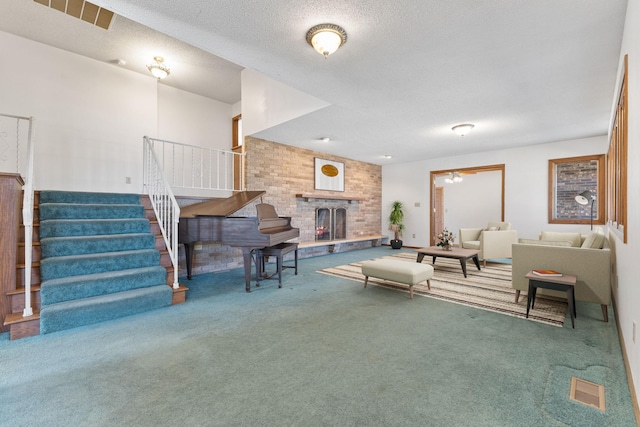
[(99, 260)]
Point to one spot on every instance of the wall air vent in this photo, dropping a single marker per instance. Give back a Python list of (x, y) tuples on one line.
[(81, 9), (587, 393)]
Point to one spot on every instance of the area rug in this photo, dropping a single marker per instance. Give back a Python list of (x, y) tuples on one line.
[(489, 289)]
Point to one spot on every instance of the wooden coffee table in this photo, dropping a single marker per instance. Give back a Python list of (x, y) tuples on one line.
[(456, 253)]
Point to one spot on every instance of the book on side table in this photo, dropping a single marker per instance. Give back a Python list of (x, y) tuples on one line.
[(547, 273)]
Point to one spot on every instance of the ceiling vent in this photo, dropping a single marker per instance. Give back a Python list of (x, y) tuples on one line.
[(81, 9)]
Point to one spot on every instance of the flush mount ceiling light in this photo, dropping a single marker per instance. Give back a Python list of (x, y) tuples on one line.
[(463, 129), (325, 139), (158, 69), (326, 38)]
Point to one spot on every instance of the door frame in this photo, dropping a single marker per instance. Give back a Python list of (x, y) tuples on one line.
[(443, 172)]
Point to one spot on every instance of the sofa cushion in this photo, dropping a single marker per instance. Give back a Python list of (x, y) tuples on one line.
[(499, 226), (471, 244), (594, 240), (545, 242), (574, 238)]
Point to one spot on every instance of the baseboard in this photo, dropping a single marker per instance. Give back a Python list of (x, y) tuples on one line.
[(22, 327), (179, 295), (627, 367)]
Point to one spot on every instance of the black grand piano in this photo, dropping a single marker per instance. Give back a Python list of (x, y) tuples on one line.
[(210, 221)]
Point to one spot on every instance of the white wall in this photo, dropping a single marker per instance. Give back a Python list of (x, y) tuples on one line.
[(526, 188), (193, 119), (627, 291), (267, 103), (473, 202), (90, 116)]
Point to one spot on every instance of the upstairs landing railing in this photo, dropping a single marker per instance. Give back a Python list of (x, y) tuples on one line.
[(170, 165), (17, 156), (191, 167)]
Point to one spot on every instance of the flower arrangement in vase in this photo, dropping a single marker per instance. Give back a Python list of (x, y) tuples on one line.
[(446, 239)]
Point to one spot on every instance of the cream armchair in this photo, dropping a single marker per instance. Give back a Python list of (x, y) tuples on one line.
[(494, 241)]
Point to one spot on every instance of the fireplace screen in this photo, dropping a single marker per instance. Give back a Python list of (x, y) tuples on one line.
[(331, 223)]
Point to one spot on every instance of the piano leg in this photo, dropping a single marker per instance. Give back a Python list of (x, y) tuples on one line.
[(246, 254), (188, 255)]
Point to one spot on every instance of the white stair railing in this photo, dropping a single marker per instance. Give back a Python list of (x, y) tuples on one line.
[(164, 204), (25, 169), (192, 167)]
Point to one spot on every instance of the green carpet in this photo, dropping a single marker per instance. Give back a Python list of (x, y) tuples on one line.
[(321, 351)]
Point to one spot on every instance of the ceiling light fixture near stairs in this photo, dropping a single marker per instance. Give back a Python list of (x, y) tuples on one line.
[(158, 69), (463, 129), (326, 38)]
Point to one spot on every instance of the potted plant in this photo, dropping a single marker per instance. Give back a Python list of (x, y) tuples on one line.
[(396, 219)]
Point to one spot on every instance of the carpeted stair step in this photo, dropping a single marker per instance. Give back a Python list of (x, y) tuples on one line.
[(99, 259), (79, 245), (76, 265), (89, 227), (89, 211), (89, 198), (90, 285), (71, 314)]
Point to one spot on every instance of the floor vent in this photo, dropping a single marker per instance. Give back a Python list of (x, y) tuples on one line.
[(81, 9), (587, 393)]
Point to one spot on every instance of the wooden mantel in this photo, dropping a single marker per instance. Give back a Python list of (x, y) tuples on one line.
[(308, 196)]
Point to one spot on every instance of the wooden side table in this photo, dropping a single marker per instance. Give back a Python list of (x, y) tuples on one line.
[(566, 282)]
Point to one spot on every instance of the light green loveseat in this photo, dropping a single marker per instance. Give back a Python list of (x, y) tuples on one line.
[(591, 266)]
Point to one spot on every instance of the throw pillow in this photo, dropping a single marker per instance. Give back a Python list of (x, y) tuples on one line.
[(492, 229), (594, 240), (574, 238), (501, 226), (545, 242)]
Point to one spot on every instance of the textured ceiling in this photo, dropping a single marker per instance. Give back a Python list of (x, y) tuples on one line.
[(192, 69), (524, 72)]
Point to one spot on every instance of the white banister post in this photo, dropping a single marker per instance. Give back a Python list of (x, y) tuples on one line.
[(27, 218), (174, 246)]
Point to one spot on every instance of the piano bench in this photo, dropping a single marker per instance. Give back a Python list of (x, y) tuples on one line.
[(278, 251)]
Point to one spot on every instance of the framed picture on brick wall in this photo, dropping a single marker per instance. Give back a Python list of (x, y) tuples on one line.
[(577, 190), (329, 175)]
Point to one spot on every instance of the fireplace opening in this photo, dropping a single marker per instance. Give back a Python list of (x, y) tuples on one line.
[(331, 224)]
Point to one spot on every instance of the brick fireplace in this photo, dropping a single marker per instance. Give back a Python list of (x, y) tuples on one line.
[(287, 174)]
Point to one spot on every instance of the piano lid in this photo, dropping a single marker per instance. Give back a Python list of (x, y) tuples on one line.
[(220, 207)]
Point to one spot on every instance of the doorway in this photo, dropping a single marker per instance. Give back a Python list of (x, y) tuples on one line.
[(438, 211)]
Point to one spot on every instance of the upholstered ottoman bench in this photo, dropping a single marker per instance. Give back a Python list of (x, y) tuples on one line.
[(409, 273)]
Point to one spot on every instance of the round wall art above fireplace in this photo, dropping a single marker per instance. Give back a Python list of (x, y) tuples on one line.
[(330, 170), (329, 175)]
